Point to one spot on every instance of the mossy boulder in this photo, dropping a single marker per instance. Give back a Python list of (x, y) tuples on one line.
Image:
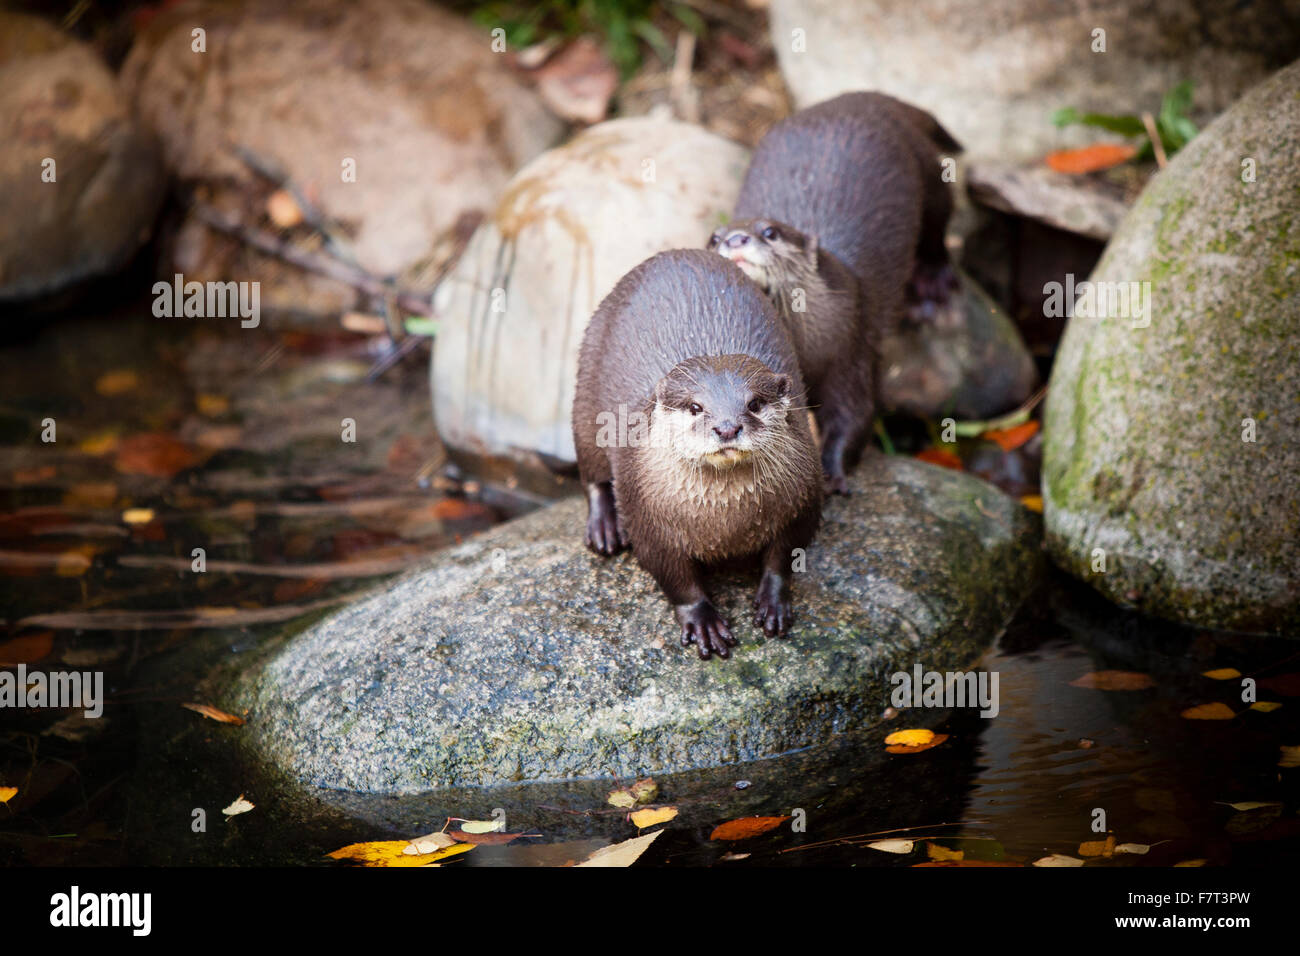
[(1172, 441), (521, 656)]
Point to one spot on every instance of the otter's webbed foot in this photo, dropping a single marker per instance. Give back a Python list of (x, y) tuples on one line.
[(772, 605), (604, 531), (836, 482), (704, 627)]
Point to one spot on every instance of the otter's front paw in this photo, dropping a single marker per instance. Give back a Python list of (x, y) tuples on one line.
[(836, 484), (604, 532), (772, 606), (704, 627)]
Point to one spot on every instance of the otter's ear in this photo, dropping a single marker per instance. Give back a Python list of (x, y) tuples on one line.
[(783, 385)]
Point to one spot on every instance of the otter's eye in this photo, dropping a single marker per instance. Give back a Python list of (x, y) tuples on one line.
[(769, 233), (755, 405), (694, 409)]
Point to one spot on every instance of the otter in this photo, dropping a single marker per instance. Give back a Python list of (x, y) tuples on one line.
[(843, 204), (693, 444)]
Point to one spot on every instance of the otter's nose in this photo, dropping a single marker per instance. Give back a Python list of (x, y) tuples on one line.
[(736, 240), (727, 431)]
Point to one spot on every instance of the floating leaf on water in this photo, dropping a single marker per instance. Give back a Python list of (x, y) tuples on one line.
[(1290, 756), (648, 818), (137, 515), (1214, 711), (1114, 680), (1222, 673), (941, 854), (1058, 859), (117, 382), (935, 741), (893, 846), (1245, 805), (1200, 862), (155, 454), (7, 794), (1265, 706), (429, 843), (1136, 849), (745, 827), (26, 649), (910, 738), (239, 806), (393, 853), (213, 714), (732, 857), (1104, 847), (622, 854), (483, 826)]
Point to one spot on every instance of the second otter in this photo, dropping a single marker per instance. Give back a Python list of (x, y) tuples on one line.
[(842, 209)]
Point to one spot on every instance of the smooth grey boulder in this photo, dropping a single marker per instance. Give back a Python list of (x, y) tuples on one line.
[(994, 71), (1172, 449), (80, 179), (521, 656)]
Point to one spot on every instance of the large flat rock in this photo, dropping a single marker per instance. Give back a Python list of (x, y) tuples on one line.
[(521, 656)]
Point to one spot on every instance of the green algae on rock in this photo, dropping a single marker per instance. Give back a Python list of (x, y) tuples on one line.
[(1171, 451), (521, 656)]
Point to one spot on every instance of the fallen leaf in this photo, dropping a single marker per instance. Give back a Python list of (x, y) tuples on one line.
[(643, 791), (1214, 711), (393, 853), (916, 748), (213, 714), (239, 806), (941, 854), (282, 209), (900, 847), (483, 826), (1201, 862), (622, 854), (648, 818), (155, 454), (1290, 756), (117, 382), (137, 515), (1058, 859), (1114, 680), (1090, 159), (1137, 849), (1033, 502), (745, 827), (75, 562), (1104, 847), (1009, 439), (429, 843), (732, 857), (1245, 805), (7, 794), (910, 738), (100, 444), (941, 457), (26, 649), (1265, 706), (1222, 673)]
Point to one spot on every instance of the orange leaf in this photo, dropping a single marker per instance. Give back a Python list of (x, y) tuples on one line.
[(1033, 502), (1114, 680), (1215, 711), (26, 649), (916, 748), (214, 714), (117, 382), (7, 794), (745, 827), (1009, 439), (155, 454), (941, 457), (1089, 159)]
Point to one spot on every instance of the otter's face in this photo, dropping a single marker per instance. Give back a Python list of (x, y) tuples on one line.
[(761, 247), (720, 412)]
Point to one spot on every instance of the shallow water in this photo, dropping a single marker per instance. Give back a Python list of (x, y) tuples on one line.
[(242, 456)]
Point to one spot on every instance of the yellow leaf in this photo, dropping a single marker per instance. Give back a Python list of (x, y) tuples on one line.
[(941, 854), (621, 798), (648, 818), (393, 853), (1265, 706), (1192, 863), (1290, 756), (1222, 673), (239, 806), (1215, 711), (1032, 502), (1058, 859), (117, 382), (7, 794), (622, 854), (100, 444), (909, 738), (482, 826), (1245, 805), (892, 846), (137, 515)]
